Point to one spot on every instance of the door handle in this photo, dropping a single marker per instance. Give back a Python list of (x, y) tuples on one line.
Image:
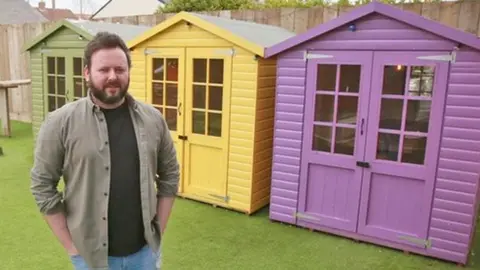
[(183, 137), (361, 126), (179, 109), (363, 164)]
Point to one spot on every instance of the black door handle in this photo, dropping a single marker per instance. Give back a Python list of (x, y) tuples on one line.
[(182, 137), (363, 164)]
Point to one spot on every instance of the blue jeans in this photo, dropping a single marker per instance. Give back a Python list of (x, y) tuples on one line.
[(145, 259)]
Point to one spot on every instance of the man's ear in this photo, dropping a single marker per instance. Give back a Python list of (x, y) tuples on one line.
[(86, 73)]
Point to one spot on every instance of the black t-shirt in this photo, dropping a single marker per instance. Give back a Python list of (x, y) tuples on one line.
[(125, 225)]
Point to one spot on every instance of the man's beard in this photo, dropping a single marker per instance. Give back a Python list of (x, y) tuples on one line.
[(101, 94)]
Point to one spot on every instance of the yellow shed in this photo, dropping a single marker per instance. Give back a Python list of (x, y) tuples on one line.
[(208, 77)]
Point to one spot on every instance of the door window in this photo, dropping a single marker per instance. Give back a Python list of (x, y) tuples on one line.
[(404, 113), (336, 107), (79, 84), (56, 83), (165, 88), (207, 96)]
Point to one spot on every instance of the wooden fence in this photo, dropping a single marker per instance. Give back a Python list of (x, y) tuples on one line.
[(14, 64)]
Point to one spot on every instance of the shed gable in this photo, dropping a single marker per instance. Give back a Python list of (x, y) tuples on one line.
[(63, 37)]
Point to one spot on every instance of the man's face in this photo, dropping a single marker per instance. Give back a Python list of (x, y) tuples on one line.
[(108, 77)]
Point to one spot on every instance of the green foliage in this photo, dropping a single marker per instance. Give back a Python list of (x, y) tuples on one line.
[(216, 5)]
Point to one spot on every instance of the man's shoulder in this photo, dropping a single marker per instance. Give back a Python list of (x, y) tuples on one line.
[(60, 115)]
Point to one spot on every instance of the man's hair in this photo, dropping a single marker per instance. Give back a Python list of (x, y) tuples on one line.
[(105, 40)]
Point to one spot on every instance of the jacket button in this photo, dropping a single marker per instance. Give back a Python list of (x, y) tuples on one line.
[(106, 168)]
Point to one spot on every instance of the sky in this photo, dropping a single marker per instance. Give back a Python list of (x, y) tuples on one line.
[(89, 6)]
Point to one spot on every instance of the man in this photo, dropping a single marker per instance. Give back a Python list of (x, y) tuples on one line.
[(110, 150)]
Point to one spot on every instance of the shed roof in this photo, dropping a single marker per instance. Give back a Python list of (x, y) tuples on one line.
[(19, 12), (88, 29), (252, 36), (390, 11)]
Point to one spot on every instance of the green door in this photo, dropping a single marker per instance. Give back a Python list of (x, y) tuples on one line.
[(63, 78)]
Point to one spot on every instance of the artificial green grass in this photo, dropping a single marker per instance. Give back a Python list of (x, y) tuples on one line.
[(198, 236)]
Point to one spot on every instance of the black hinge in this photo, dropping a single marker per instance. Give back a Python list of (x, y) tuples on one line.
[(182, 137), (363, 164)]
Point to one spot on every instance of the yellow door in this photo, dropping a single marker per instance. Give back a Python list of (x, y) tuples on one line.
[(165, 91), (207, 109)]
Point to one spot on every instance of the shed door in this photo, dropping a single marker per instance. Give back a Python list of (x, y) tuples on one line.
[(207, 103), (402, 148), (165, 91), (334, 138)]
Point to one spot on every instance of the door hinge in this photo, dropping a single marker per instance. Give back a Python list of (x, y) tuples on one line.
[(183, 137), (150, 51), (305, 216), (307, 55), (223, 198), (363, 164), (445, 57), (426, 243), (230, 52)]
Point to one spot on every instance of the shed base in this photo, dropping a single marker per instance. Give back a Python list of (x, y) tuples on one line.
[(214, 203), (459, 260)]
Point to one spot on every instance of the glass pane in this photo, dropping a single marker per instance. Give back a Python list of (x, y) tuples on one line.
[(326, 77), (324, 108), (198, 123), (172, 70), (61, 65), (391, 113), (172, 90), (344, 141), (322, 138), (157, 69), (77, 66), (215, 124), (160, 109), (421, 81), (171, 118), (414, 149), (60, 101), (394, 80), (387, 146), (418, 115), (216, 71), (199, 96), (350, 78), (215, 98), (51, 84), (51, 65), (200, 70), (157, 93), (77, 87), (347, 110), (51, 103), (61, 85)]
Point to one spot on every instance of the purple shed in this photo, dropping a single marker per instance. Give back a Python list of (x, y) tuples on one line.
[(377, 131)]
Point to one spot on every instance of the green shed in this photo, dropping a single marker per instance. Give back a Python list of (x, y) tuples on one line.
[(56, 63)]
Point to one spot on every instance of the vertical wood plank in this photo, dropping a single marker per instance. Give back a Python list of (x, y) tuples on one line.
[(287, 16), (449, 13), (301, 20), (315, 17), (468, 19)]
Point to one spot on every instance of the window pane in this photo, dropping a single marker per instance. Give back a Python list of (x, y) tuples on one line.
[(198, 122), (77, 66), (171, 118), (60, 101), (215, 124), (322, 138), (215, 98), (200, 70), (387, 146), (391, 113), (216, 71), (394, 80), (172, 70), (421, 81), (51, 103), (77, 87), (414, 149), (172, 90), (418, 115), (51, 85), (324, 108), (199, 96), (51, 65), (350, 78), (61, 86), (344, 141), (157, 69), (61, 65), (157, 93), (347, 110), (326, 77)]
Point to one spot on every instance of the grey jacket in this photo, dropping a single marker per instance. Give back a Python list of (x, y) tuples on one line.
[(73, 144)]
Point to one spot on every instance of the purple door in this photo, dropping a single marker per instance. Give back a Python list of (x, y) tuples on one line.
[(402, 145), (336, 106)]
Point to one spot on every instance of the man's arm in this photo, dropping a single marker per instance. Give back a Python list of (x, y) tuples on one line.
[(168, 176), (45, 175)]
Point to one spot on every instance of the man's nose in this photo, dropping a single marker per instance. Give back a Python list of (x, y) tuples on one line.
[(112, 75)]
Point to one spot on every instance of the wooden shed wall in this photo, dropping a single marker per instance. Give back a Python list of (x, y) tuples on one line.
[(243, 101)]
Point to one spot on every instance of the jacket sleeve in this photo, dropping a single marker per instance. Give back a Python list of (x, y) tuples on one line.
[(167, 164), (47, 166)]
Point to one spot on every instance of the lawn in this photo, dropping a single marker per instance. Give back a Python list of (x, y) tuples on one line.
[(198, 237)]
